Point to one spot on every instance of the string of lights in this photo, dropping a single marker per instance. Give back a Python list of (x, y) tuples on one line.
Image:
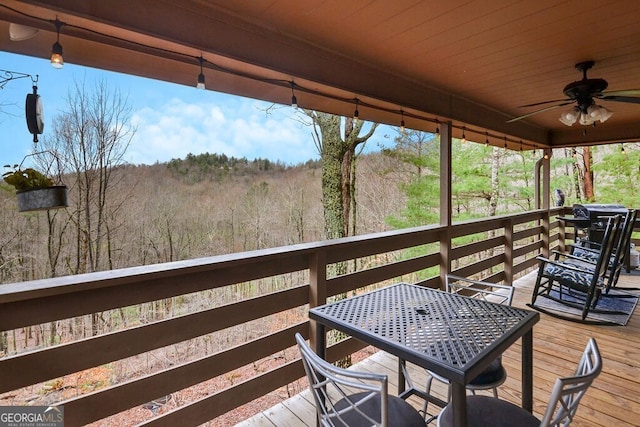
[(57, 61)]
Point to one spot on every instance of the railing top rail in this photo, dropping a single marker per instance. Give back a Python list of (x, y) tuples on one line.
[(12, 292)]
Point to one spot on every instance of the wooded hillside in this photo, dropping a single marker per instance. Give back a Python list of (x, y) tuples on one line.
[(200, 206), (211, 204)]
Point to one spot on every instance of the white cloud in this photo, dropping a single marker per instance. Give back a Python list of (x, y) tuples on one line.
[(172, 120), (233, 126)]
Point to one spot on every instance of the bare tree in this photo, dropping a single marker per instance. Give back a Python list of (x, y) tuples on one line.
[(338, 155), (90, 138)]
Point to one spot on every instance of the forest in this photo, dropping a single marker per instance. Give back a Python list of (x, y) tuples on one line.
[(209, 204)]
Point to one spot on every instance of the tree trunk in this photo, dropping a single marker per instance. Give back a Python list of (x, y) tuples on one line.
[(495, 191), (587, 160), (338, 189)]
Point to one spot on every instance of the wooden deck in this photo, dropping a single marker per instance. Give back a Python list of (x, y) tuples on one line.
[(613, 400)]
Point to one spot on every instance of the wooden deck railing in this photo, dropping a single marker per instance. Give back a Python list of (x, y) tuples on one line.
[(499, 248)]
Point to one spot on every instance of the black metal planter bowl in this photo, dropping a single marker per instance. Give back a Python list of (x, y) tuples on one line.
[(41, 199)]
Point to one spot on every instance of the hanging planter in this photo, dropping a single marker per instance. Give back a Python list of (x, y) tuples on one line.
[(42, 199), (34, 190)]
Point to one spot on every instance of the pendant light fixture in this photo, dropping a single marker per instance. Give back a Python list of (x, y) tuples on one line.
[(486, 140), (401, 121), (294, 100), (56, 50), (356, 113), (437, 127), (464, 137), (200, 84)]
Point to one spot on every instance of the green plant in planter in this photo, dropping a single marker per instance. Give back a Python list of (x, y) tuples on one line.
[(27, 179)]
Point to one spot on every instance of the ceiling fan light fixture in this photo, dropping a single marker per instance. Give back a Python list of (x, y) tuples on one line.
[(604, 116), (18, 32), (570, 116), (586, 120), (603, 113)]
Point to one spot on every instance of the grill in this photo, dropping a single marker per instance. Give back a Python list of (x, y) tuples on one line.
[(590, 220)]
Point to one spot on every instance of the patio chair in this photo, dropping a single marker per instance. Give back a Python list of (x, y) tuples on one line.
[(586, 252), (561, 409), (495, 374), (573, 285), (346, 398)]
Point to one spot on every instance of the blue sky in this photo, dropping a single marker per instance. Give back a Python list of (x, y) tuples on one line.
[(172, 120)]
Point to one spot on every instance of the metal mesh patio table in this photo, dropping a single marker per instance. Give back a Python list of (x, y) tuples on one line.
[(452, 335)]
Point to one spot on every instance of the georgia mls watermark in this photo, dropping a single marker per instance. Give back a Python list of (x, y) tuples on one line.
[(31, 416)]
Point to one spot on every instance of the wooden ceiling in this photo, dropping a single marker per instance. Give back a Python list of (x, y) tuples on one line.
[(471, 62)]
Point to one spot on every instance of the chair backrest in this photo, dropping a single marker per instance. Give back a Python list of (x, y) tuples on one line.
[(608, 244), (492, 292), (339, 393), (620, 251), (567, 392), (627, 230)]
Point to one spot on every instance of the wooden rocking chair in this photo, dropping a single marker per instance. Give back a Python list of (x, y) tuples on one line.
[(573, 285)]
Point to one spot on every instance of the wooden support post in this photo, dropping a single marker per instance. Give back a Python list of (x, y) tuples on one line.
[(445, 201), (508, 252), (317, 296)]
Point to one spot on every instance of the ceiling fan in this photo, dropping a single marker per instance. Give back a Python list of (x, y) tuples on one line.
[(584, 93)]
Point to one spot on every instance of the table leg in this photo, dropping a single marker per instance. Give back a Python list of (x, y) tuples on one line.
[(320, 339), (401, 380), (459, 402), (527, 371)]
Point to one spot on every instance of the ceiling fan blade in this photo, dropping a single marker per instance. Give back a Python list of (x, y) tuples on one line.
[(628, 92), (544, 102), (540, 111), (630, 99)]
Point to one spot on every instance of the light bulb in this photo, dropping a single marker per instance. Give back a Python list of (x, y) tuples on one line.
[(57, 61), (56, 50), (585, 120), (604, 114), (200, 84), (569, 117)]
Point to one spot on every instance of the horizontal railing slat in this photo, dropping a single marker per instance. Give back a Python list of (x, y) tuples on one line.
[(92, 407), (342, 284), (476, 247), (217, 404), (33, 309), (16, 372)]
